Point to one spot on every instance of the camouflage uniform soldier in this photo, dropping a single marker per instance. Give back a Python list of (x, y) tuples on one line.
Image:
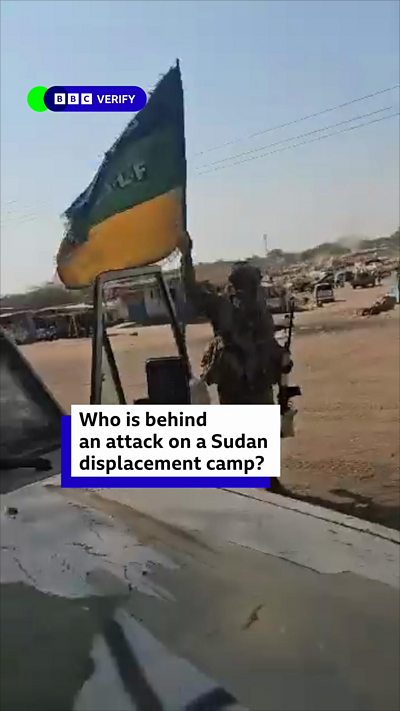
[(243, 359)]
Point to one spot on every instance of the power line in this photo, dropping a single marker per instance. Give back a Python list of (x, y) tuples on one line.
[(301, 118), (293, 138), (296, 145)]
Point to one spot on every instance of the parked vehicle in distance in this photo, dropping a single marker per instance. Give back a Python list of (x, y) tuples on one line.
[(323, 293), (363, 278), (277, 298), (340, 279), (47, 333)]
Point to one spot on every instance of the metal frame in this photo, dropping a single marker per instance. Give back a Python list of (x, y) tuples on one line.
[(100, 338)]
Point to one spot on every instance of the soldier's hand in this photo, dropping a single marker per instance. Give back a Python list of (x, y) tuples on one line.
[(185, 243), (287, 363)]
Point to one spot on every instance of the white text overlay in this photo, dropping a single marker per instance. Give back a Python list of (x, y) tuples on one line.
[(179, 440)]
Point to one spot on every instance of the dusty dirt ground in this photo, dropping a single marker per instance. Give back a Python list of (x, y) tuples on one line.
[(346, 451)]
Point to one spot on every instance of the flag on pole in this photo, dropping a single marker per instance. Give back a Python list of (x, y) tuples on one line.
[(133, 212)]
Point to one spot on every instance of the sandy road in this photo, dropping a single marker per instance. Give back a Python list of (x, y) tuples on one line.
[(346, 449)]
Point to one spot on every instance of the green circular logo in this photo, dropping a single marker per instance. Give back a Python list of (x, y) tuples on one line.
[(35, 98)]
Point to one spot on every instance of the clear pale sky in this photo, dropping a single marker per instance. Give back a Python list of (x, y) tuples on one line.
[(246, 66)]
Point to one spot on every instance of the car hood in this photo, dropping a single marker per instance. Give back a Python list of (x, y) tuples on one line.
[(194, 599)]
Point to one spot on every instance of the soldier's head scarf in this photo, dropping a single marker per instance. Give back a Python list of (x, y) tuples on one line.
[(244, 281)]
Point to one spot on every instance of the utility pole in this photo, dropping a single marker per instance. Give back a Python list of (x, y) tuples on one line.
[(265, 240)]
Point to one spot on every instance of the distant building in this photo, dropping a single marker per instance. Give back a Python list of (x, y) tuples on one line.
[(65, 321), (19, 325), (143, 301)]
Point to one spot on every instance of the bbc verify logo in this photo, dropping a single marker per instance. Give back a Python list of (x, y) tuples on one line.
[(87, 98), (73, 99)]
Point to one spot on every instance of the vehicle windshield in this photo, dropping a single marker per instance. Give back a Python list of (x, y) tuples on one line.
[(30, 419)]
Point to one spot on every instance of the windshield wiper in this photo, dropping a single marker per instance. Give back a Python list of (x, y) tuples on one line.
[(40, 464)]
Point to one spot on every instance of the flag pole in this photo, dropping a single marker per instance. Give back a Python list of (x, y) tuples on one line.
[(184, 204)]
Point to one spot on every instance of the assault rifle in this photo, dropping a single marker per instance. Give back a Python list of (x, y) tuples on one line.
[(286, 391)]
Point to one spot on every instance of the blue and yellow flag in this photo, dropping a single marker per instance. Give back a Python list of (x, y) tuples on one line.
[(133, 212)]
